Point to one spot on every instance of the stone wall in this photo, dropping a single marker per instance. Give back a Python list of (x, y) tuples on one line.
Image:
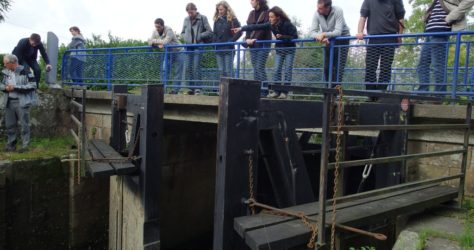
[(442, 166), (49, 118), (42, 206)]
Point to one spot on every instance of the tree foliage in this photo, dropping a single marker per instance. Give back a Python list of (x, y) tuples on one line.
[(4, 7)]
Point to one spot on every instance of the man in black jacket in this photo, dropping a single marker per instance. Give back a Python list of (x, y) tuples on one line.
[(27, 52)]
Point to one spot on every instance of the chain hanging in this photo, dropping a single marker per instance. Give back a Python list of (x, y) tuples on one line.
[(340, 109), (281, 212), (251, 181), (252, 203)]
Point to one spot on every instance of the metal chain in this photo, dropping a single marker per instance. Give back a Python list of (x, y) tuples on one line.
[(252, 203), (340, 107), (280, 212), (251, 180)]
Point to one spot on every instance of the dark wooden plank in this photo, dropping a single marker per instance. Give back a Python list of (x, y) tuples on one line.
[(151, 151), (294, 233), (237, 139), (248, 223), (107, 152), (96, 169), (299, 114), (119, 115)]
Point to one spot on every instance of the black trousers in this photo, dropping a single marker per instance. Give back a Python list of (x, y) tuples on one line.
[(36, 70), (377, 52)]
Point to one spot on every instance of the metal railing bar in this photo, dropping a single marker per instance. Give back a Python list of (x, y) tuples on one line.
[(398, 187), (75, 136), (76, 121), (389, 159), (77, 105), (401, 127)]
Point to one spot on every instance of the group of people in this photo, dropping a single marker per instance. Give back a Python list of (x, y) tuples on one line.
[(22, 74), (261, 23), (379, 17), (21, 78)]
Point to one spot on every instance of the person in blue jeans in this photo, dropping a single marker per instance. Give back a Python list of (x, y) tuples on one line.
[(434, 50), (285, 31), (196, 30), (161, 37), (224, 22), (441, 16), (76, 68), (258, 51)]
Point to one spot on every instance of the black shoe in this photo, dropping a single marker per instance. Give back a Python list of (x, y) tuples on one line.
[(190, 92)]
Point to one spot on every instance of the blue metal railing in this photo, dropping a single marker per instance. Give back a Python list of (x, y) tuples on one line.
[(173, 65)]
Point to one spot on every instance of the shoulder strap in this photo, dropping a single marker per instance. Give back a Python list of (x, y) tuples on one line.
[(260, 19)]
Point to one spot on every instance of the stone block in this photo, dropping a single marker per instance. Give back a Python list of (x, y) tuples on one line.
[(407, 240), (94, 120), (107, 121), (441, 244)]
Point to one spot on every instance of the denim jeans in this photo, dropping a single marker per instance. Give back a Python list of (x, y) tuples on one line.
[(76, 68), (259, 56), (15, 114), (192, 65), (225, 60), (434, 54), (339, 61), (284, 61), (379, 51), (174, 69)]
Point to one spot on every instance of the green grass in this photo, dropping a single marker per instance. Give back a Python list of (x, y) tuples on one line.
[(465, 240), (40, 148)]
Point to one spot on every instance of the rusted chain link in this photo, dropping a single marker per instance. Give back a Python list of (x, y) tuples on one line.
[(252, 203), (340, 110), (281, 212), (251, 181)]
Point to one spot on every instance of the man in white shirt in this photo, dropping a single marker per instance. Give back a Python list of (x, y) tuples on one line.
[(328, 22)]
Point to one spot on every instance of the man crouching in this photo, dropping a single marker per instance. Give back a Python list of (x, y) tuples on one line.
[(20, 94)]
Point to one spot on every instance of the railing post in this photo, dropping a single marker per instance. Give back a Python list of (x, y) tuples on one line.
[(466, 67), (237, 69), (456, 65), (324, 171), (467, 133), (83, 131), (109, 69), (165, 68), (332, 43), (64, 68)]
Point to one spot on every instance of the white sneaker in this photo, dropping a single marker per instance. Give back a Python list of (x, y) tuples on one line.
[(55, 86), (282, 96), (272, 94)]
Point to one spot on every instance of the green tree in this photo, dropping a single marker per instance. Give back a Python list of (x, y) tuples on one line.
[(4, 7)]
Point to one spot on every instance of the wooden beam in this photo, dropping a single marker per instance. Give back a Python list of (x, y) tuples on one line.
[(237, 140)]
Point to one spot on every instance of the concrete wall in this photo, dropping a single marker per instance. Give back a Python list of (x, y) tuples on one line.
[(437, 167), (186, 195), (43, 207)]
